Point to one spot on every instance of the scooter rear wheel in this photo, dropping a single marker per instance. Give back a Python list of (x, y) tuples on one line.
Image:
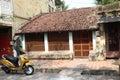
[(28, 70)]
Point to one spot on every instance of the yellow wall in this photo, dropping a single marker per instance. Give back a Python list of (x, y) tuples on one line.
[(30, 8)]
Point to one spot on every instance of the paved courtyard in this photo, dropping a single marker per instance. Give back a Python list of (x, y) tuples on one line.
[(69, 70), (55, 76), (76, 63)]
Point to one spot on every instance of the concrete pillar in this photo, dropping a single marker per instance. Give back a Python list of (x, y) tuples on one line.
[(46, 42), (70, 42), (94, 40), (23, 42)]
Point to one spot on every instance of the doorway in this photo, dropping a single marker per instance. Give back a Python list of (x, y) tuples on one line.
[(5, 38), (112, 40), (82, 43)]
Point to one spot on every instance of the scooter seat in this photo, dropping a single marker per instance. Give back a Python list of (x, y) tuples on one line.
[(14, 60)]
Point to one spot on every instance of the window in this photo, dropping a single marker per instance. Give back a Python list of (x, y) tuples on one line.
[(35, 42), (58, 41)]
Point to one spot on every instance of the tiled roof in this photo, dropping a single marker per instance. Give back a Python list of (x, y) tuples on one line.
[(71, 20)]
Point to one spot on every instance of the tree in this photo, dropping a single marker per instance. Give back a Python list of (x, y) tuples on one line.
[(64, 6), (104, 2), (61, 5)]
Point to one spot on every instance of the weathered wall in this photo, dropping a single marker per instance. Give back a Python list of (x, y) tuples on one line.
[(30, 8), (51, 55), (17, 24), (100, 43), (6, 12)]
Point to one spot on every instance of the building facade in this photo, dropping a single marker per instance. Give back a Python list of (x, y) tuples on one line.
[(66, 34), (62, 37)]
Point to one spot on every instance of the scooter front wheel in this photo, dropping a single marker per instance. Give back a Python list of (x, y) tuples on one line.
[(6, 69), (28, 70)]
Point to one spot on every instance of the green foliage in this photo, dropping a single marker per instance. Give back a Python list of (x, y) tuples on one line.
[(64, 6), (104, 2)]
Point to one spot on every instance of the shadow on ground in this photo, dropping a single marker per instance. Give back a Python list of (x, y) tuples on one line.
[(100, 72)]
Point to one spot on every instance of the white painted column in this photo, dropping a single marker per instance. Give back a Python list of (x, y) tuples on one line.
[(46, 42), (94, 40), (70, 42), (23, 42)]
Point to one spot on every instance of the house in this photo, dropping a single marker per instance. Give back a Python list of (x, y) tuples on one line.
[(61, 35), (5, 26), (109, 29)]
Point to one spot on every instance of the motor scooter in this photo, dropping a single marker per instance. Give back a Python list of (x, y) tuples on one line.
[(21, 63)]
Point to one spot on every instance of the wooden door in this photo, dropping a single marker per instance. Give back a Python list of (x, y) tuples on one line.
[(35, 42), (82, 43), (4, 44)]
